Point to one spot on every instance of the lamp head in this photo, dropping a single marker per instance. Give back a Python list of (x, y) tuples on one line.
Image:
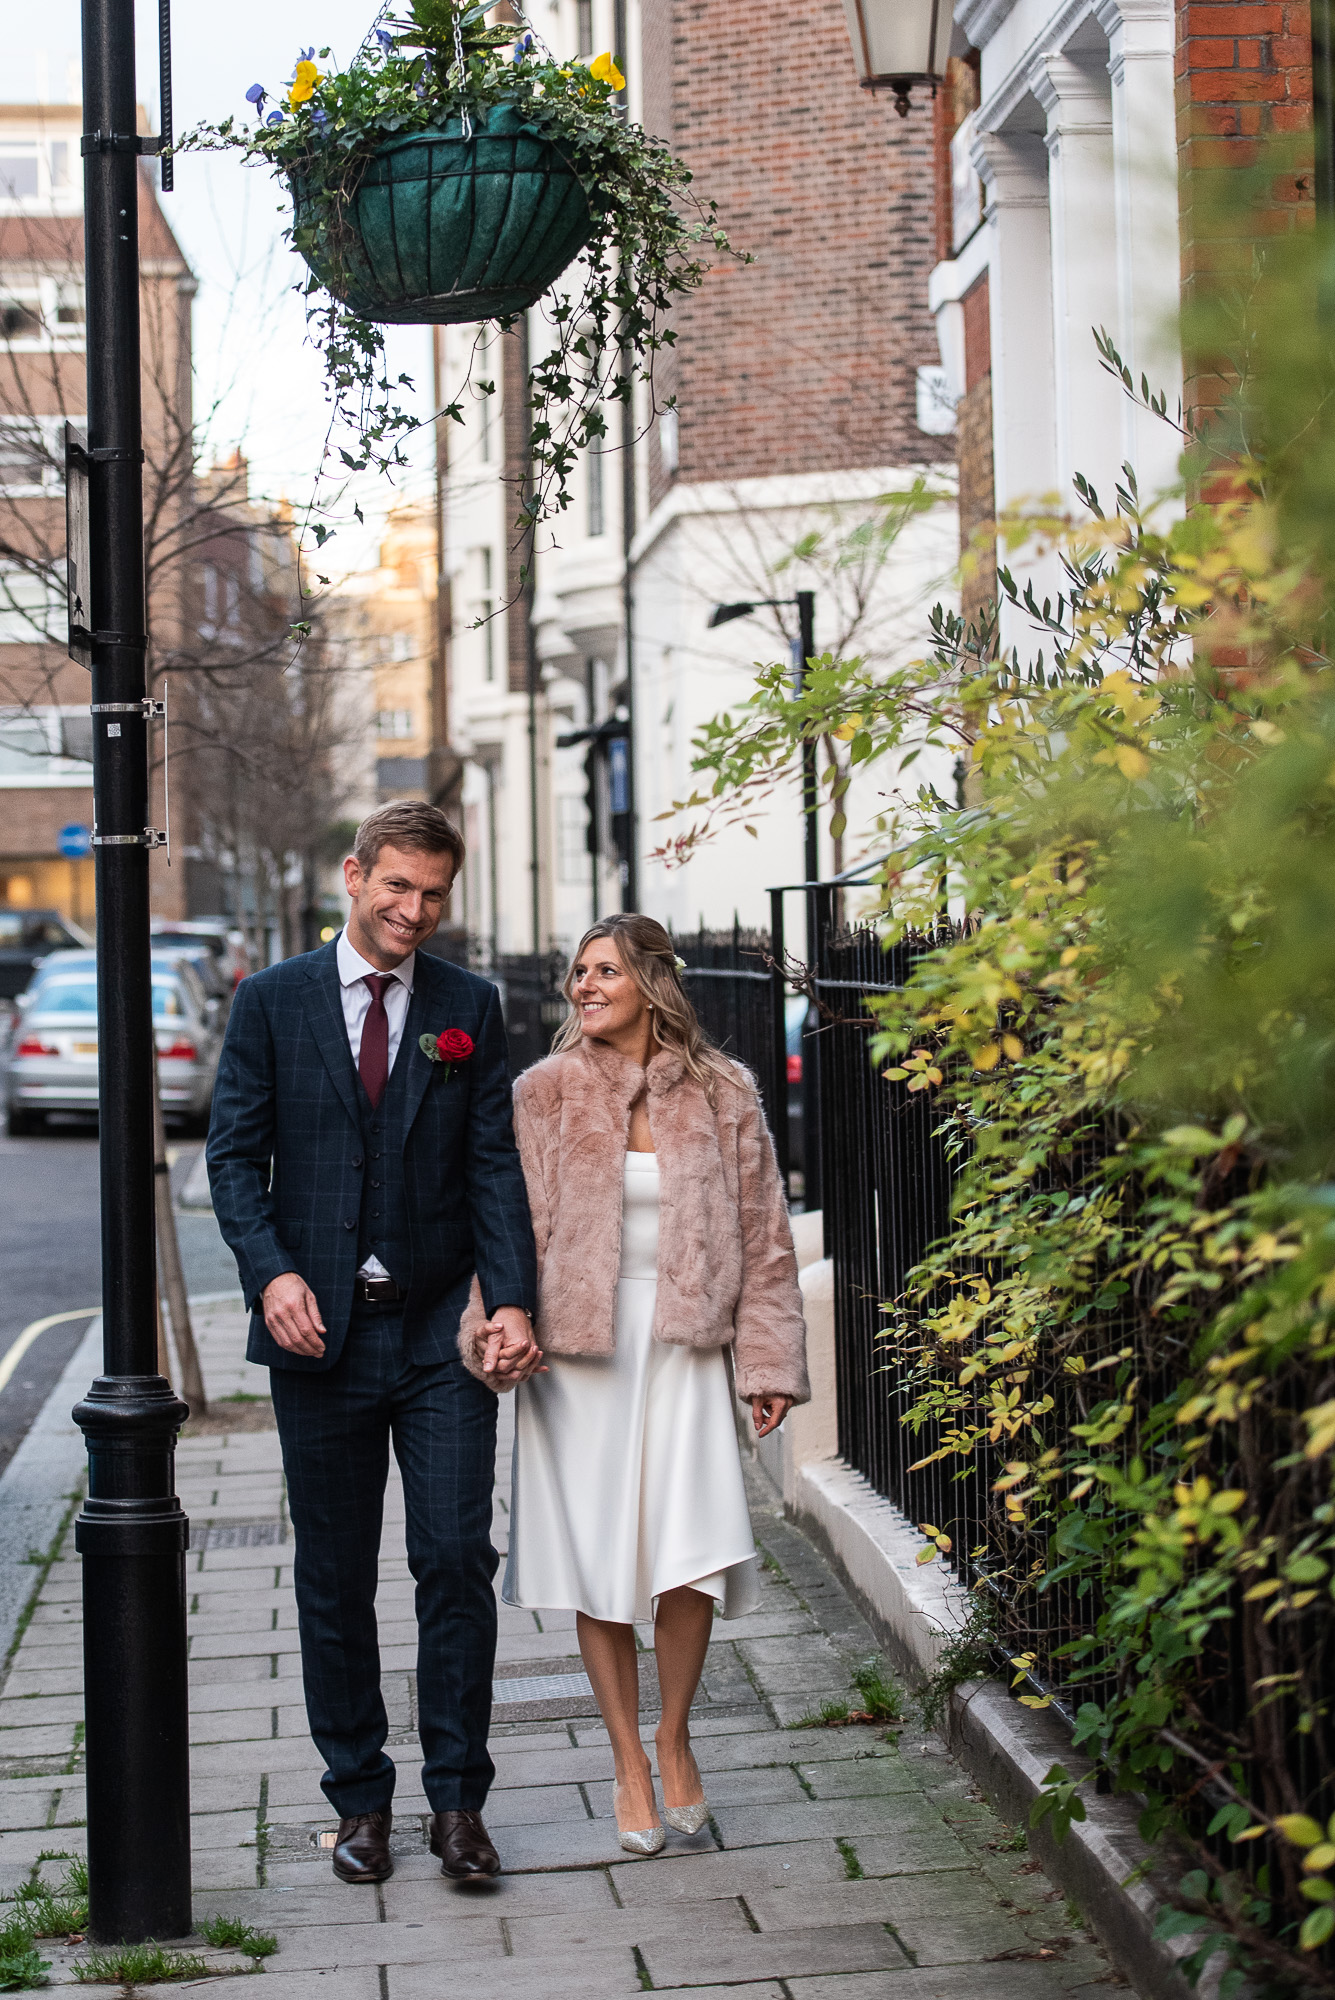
[(723, 614), (897, 43)]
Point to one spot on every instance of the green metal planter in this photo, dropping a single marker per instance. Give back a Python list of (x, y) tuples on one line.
[(443, 229)]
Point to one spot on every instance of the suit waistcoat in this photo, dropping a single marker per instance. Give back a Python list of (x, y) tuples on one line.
[(382, 1224)]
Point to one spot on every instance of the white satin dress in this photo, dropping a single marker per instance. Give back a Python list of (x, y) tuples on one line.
[(627, 1479)]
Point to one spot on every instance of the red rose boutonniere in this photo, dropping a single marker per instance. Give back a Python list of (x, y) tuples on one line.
[(454, 1046)]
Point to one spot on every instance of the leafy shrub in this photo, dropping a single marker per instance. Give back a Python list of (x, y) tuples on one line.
[(1130, 1036)]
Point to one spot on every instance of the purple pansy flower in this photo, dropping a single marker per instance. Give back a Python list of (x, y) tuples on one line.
[(274, 118), (256, 94), (385, 39), (523, 47), (319, 118)]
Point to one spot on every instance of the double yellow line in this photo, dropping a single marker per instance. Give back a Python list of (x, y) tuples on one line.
[(30, 1333)]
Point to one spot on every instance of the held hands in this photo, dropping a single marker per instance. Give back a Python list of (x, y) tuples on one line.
[(768, 1412), (511, 1352), (292, 1315)]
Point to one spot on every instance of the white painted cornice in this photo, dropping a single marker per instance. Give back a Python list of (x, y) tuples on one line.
[(980, 19), (1137, 31), (692, 499), (1015, 168), (1051, 39), (1074, 95)]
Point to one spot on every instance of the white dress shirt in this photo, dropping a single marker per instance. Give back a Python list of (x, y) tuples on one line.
[(353, 972)]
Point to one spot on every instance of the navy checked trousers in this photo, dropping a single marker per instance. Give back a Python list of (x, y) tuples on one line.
[(336, 1430)]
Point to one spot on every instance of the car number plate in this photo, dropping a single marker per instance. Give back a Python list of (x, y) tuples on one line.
[(85, 1048)]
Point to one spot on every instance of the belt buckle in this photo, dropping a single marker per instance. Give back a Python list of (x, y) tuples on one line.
[(380, 1291)]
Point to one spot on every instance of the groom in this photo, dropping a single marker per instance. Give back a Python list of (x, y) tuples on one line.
[(361, 1179)]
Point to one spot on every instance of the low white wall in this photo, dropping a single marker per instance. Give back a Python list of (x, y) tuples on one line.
[(914, 1607)]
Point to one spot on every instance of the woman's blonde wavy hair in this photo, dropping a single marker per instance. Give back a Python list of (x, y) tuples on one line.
[(650, 957)]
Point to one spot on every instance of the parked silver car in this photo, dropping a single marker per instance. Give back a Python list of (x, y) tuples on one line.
[(53, 1057)]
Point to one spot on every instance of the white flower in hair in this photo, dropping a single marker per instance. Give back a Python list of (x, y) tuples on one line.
[(680, 964)]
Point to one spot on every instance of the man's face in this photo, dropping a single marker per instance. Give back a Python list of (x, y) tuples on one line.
[(397, 903)]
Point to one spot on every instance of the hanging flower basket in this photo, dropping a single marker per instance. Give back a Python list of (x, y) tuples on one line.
[(446, 229), (453, 172)]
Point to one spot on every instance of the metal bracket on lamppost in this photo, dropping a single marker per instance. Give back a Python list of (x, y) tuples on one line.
[(131, 1531)]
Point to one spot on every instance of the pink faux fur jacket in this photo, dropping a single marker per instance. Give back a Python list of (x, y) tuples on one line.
[(726, 1268)]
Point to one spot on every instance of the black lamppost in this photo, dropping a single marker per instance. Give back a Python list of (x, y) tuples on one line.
[(805, 600), (131, 1532), (723, 614)]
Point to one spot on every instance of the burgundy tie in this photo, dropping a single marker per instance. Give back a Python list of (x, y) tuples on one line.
[(373, 1057)]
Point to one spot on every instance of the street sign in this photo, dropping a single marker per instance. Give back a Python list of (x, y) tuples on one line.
[(77, 558), (74, 842)]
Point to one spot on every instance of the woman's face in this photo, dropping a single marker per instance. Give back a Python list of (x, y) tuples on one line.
[(610, 1004)]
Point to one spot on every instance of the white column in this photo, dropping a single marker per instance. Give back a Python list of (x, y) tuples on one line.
[(1014, 165), (1075, 94), (1140, 63)]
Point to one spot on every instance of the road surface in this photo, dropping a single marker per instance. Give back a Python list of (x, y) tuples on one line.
[(49, 1257)]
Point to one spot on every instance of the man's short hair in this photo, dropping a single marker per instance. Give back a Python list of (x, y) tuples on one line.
[(410, 824)]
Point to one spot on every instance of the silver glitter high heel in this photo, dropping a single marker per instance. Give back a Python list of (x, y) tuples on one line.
[(688, 1819), (648, 1841)]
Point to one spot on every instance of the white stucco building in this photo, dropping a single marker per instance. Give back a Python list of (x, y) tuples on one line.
[(799, 405), (1065, 223)]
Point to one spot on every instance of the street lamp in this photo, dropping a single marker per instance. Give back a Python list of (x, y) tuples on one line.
[(805, 600), (131, 1531), (897, 43)]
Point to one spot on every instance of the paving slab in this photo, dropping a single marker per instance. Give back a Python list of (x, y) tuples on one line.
[(834, 1858)]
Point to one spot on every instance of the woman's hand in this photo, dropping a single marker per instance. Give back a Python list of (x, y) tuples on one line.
[(511, 1352), (768, 1412)]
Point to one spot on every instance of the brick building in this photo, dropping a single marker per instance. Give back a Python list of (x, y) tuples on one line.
[(1086, 143), (45, 739), (806, 384)]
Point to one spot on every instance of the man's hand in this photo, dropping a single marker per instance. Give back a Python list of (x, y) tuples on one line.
[(768, 1412), (292, 1316), (511, 1351)]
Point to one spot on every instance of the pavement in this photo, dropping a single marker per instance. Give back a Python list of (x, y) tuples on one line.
[(850, 1863)]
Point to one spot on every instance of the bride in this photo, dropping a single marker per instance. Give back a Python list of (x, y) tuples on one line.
[(665, 1256)]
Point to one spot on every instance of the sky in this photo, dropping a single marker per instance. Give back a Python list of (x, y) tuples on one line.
[(258, 382)]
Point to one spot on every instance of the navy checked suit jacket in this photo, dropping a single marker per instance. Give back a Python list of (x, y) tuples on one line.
[(285, 1154)]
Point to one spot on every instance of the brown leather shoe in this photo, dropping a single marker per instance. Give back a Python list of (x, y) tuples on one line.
[(361, 1853), (464, 1846)]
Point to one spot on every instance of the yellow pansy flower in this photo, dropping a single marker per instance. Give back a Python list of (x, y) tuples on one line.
[(303, 83), (606, 71)]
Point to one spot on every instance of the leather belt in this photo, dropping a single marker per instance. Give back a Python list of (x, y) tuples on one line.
[(377, 1291)]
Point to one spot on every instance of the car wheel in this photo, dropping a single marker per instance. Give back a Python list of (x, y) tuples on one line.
[(22, 1124)]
